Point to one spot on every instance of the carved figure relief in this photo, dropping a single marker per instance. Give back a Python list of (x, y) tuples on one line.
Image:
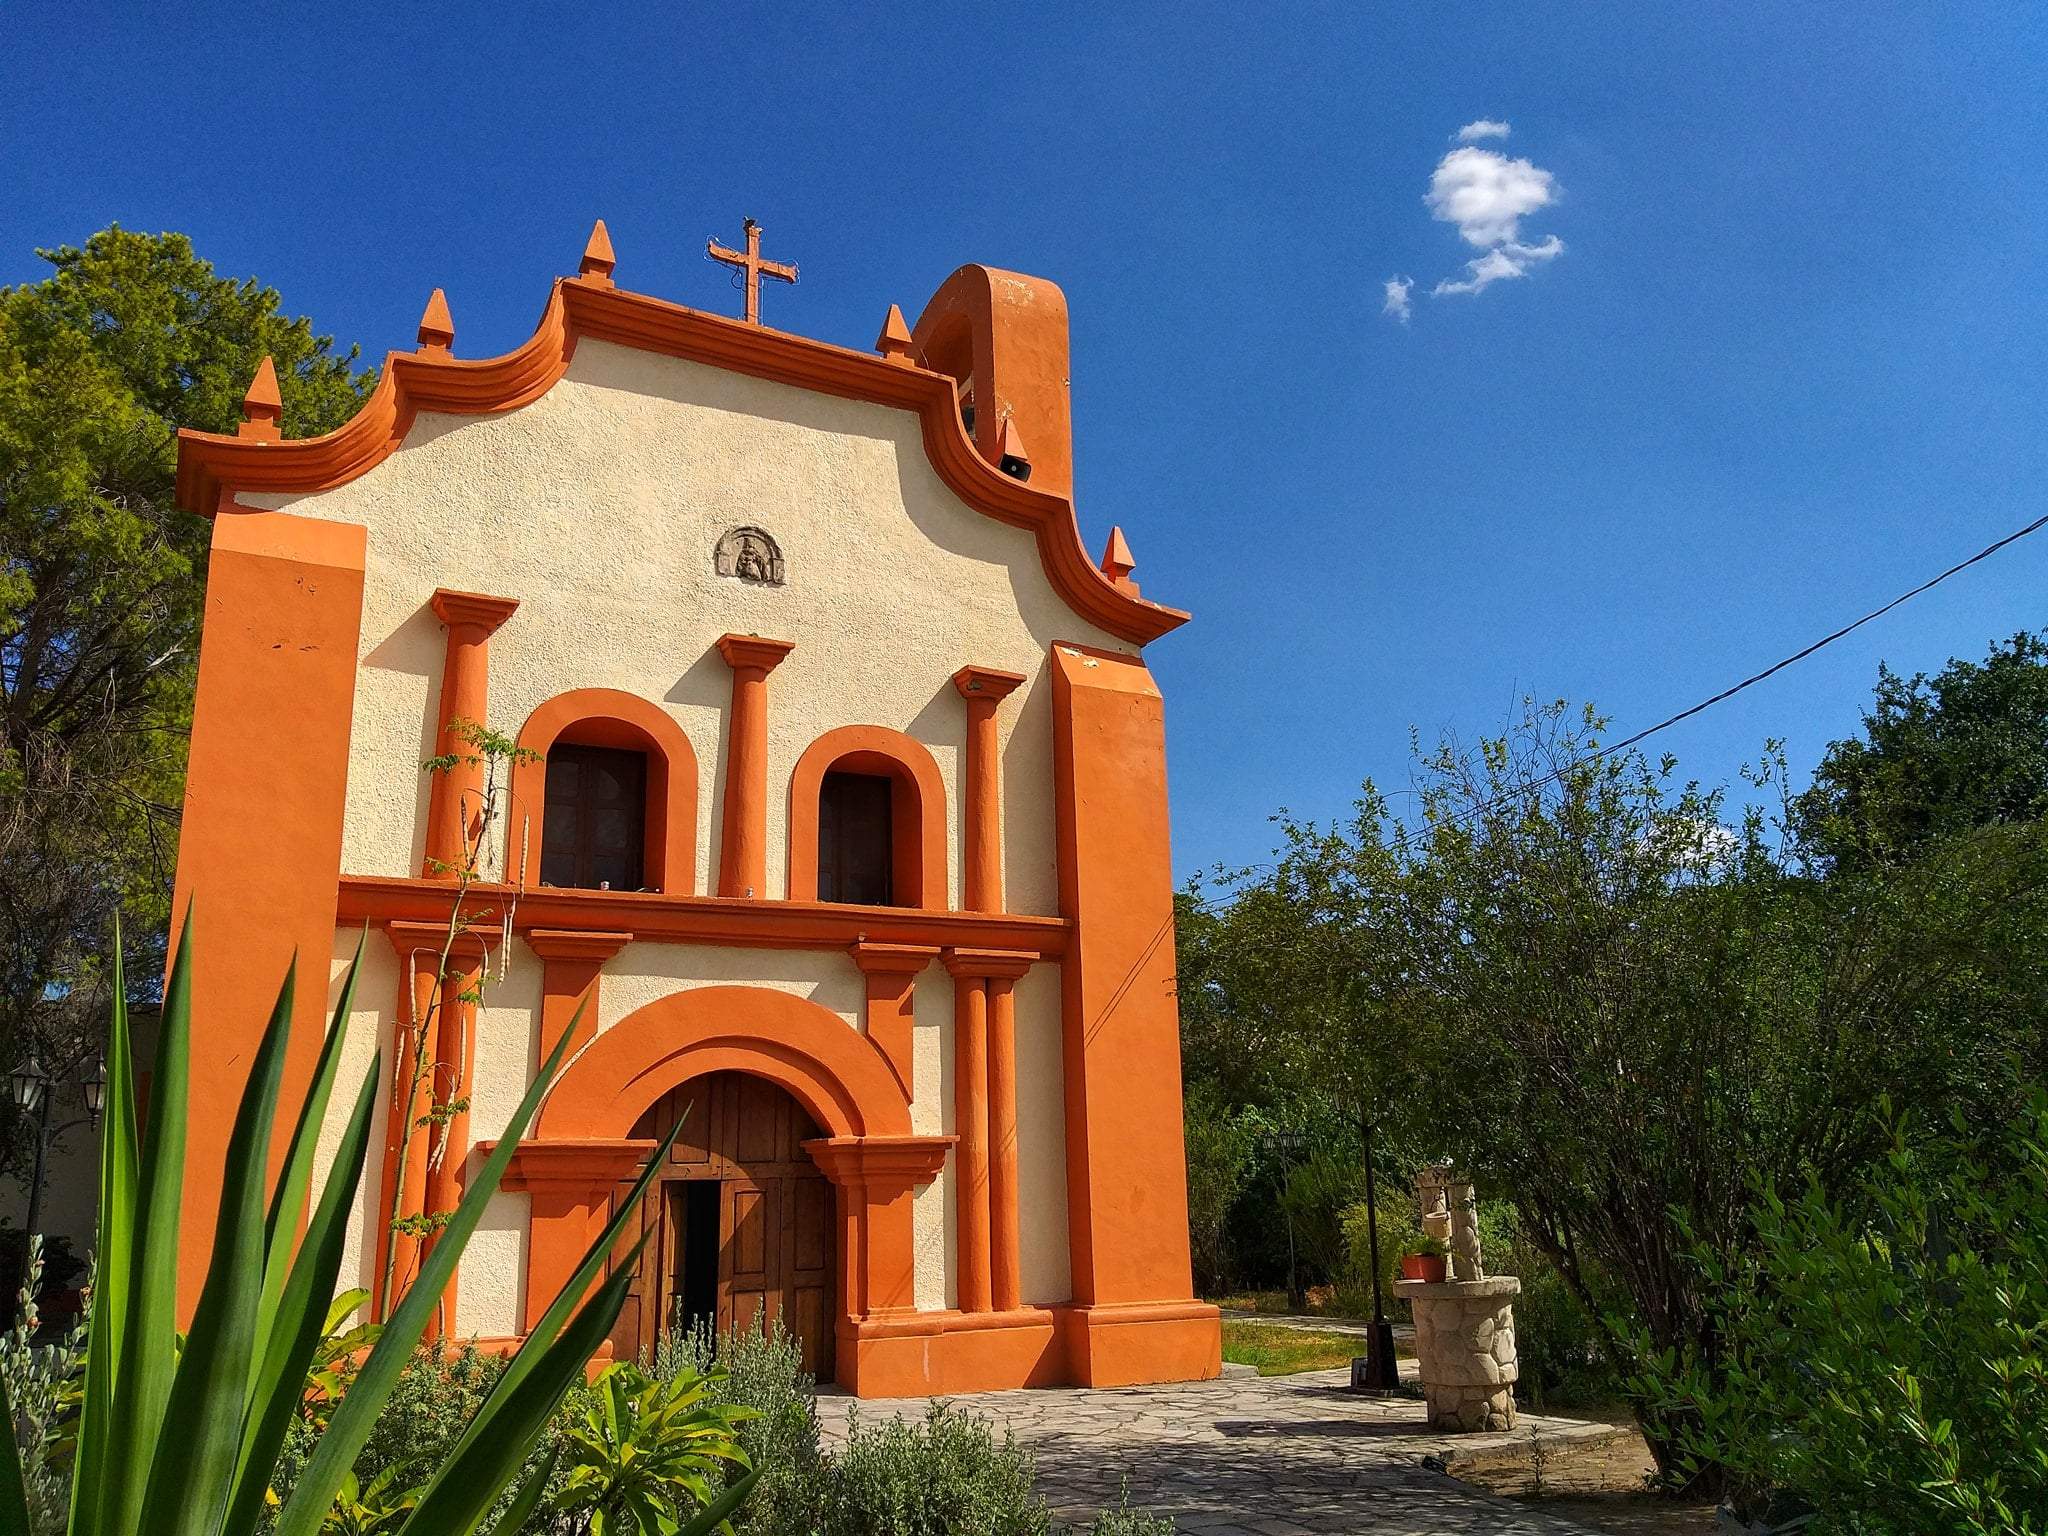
[(751, 555)]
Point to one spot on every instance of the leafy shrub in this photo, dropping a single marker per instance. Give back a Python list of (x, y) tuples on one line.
[(1885, 1364), (762, 1370), (1124, 1521), (41, 1383), (948, 1476)]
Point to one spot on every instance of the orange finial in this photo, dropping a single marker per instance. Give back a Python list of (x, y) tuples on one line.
[(598, 260), (263, 406), (1012, 457), (1117, 563), (437, 328), (894, 342)]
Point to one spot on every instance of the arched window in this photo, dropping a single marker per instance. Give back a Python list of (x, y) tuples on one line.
[(612, 803), (867, 821)]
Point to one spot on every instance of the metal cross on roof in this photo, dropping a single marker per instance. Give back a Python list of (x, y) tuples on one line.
[(753, 267)]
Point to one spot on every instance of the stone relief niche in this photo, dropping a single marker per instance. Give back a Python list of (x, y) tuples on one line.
[(751, 555)]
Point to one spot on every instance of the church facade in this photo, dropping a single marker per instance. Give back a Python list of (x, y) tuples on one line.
[(836, 830)]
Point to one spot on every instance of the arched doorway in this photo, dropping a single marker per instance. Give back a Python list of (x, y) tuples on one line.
[(742, 1221)]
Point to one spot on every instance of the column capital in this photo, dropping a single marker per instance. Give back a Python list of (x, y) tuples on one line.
[(989, 964), (891, 959), (472, 608), (882, 1165), (753, 651), (410, 937), (575, 944), (988, 684)]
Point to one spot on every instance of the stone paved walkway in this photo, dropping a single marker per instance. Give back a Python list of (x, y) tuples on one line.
[(1266, 1456)]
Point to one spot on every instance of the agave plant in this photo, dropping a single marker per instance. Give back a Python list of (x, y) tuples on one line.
[(643, 1446), (185, 1442)]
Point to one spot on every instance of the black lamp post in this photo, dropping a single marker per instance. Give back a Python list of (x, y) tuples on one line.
[(1382, 1374), (32, 1092)]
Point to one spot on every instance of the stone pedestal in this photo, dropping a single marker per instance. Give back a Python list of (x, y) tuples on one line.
[(1465, 1338)]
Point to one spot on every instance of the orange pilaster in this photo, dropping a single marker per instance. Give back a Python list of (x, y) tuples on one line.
[(984, 688), (433, 1156), (571, 1183), (970, 1122), (1134, 1318), (572, 964), (457, 794), (743, 843), (890, 971), (1005, 1274), (259, 852)]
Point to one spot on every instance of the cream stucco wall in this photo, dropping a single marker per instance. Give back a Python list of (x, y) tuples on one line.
[(597, 507)]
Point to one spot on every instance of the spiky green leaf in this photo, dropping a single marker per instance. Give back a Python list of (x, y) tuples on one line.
[(148, 1332), (194, 1466)]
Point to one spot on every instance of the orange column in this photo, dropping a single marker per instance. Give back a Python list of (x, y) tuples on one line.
[(984, 688), (572, 963), (457, 792), (970, 1117), (1004, 1267), (743, 845), (422, 1186), (259, 848), (985, 1072)]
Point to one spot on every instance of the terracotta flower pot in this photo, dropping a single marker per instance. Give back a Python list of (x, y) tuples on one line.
[(1422, 1266)]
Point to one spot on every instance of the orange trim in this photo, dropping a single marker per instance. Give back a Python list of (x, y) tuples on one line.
[(833, 1071), (260, 842), (213, 468), (667, 919), (607, 717), (917, 810), (743, 828)]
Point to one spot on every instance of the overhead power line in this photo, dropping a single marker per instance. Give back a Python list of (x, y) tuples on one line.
[(1826, 640), (1751, 681)]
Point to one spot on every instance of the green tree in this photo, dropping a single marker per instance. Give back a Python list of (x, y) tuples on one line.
[(101, 581), (1615, 1009), (1965, 748), (1886, 1354)]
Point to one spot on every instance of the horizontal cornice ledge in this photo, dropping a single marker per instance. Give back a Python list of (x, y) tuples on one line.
[(654, 917)]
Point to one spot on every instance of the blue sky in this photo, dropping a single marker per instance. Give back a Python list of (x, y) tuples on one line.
[(1788, 362)]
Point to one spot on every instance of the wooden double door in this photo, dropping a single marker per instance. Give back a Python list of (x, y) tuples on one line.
[(742, 1221)]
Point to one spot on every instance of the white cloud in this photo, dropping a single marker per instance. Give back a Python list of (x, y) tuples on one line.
[(1397, 298), (1506, 260), (1487, 195), (1485, 128)]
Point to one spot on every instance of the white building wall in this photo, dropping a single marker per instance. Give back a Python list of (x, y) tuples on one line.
[(597, 507)]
